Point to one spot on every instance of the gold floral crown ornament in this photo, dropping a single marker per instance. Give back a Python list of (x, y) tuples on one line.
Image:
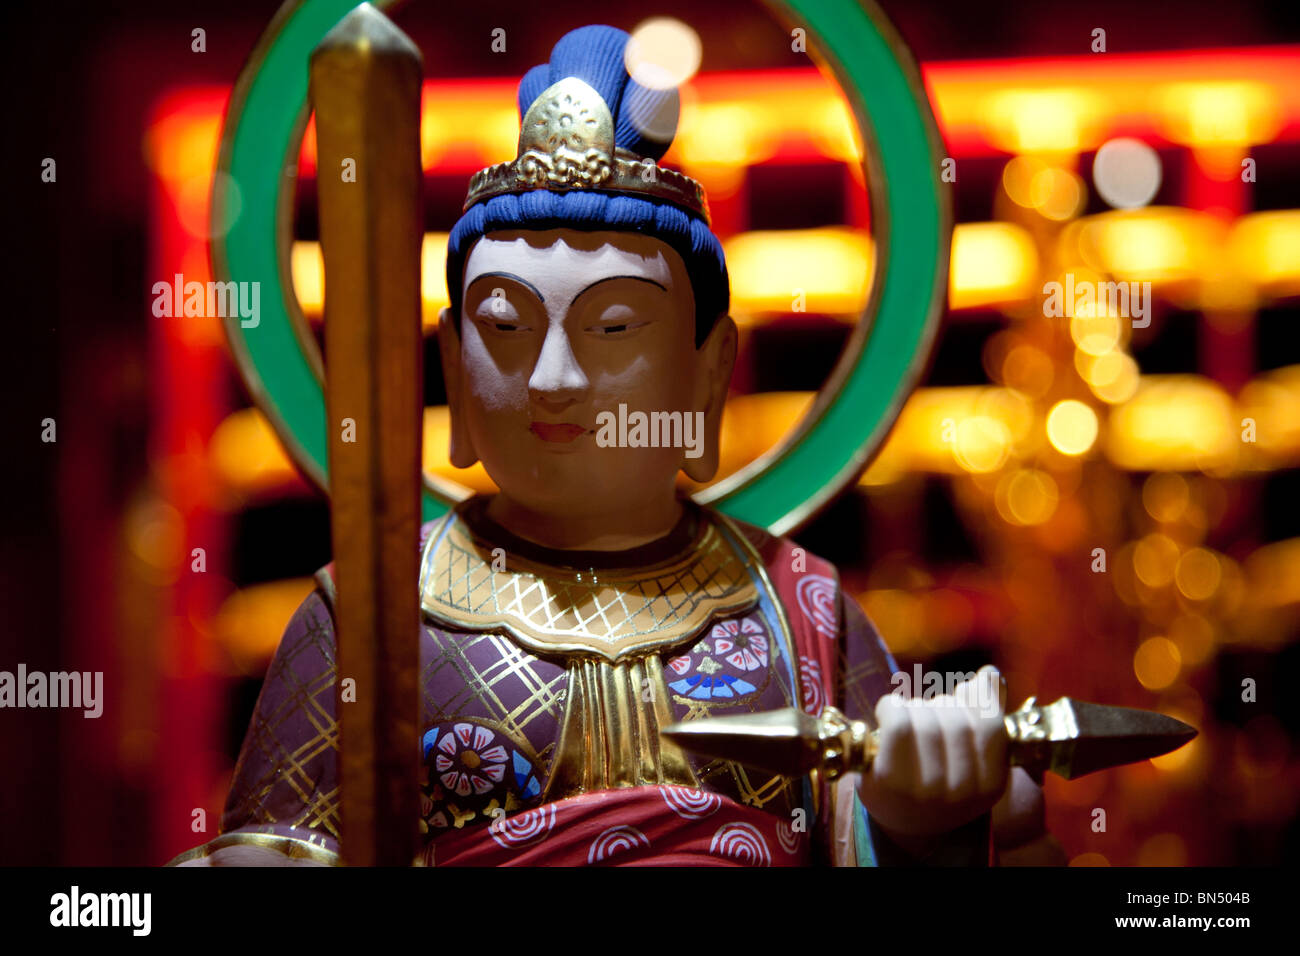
[(566, 141)]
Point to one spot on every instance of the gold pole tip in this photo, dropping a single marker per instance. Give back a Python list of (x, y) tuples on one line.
[(366, 28)]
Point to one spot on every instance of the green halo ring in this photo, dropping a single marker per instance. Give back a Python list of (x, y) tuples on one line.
[(856, 407)]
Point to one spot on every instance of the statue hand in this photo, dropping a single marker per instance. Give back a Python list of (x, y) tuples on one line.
[(941, 763)]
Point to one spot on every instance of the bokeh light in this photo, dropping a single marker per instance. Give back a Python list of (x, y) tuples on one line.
[(1174, 423), (1154, 560), (1018, 177), (1052, 191), (1057, 193), (1126, 173), (1157, 663), (981, 444), (1095, 331), (1072, 427), (1112, 376), (1026, 496), (663, 53), (1165, 495), (1198, 574)]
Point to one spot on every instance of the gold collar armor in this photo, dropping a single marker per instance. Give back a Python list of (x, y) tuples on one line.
[(472, 581)]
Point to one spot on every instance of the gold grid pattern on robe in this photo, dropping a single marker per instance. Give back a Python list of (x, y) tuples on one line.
[(482, 695), (291, 766)]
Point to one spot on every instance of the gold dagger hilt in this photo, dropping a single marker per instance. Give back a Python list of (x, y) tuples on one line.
[(847, 745)]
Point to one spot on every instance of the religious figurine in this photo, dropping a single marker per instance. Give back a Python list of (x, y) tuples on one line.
[(570, 617)]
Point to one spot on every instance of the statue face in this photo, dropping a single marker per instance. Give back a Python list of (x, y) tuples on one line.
[(558, 329)]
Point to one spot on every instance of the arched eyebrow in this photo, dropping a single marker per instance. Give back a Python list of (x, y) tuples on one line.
[(507, 275), (611, 279)]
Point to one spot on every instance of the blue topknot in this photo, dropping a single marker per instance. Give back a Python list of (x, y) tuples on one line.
[(645, 121)]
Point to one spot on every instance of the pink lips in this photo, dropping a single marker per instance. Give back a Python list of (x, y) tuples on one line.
[(557, 433)]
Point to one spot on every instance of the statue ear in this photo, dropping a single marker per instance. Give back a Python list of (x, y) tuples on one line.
[(462, 452), (714, 361)]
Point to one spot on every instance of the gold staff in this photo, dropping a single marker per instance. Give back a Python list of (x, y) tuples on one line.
[(365, 89)]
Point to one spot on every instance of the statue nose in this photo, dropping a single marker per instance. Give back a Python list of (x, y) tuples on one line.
[(557, 378)]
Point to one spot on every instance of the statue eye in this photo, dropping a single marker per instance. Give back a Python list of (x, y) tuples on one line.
[(504, 322), (618, 328)]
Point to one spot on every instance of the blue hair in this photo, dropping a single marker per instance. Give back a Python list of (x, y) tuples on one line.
[(594, 54)]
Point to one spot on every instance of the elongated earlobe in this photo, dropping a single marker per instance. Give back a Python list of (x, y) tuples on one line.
[(461, 452), (714, 361)]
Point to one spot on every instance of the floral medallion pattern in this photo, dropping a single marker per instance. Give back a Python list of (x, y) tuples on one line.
[(472, 771), (732, 662)]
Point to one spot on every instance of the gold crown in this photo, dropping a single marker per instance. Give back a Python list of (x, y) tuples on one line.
[(566, 142)]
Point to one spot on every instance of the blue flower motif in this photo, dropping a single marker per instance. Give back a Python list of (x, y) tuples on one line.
[(723, 686)]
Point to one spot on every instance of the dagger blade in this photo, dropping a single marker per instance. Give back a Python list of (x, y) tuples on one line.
[(1109, 736)]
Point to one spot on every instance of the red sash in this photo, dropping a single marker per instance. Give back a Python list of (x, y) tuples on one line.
[(636, 826)]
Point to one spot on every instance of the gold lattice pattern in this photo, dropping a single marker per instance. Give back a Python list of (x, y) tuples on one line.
[(612, 614)]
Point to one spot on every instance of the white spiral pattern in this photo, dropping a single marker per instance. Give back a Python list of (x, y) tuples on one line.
[(524, 829), (616, 840), (816, 595), (786, 836), (690, 804), (810, 685), (741, 842)]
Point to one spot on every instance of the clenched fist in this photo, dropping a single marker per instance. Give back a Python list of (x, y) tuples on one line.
[(941, 762)]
